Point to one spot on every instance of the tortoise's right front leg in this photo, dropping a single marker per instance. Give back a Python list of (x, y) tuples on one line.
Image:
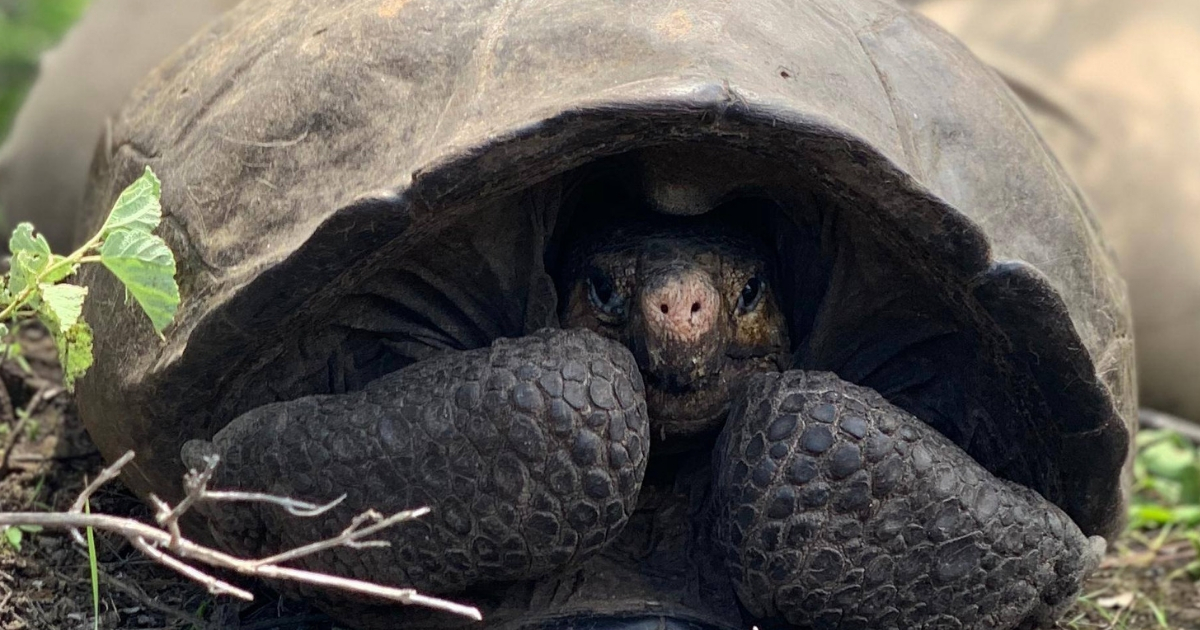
[(529, 452)]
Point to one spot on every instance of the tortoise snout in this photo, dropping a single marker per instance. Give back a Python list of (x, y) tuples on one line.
[(683, 308)]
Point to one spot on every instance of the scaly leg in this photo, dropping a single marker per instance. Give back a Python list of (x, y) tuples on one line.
[(836, 509), (530, 453)]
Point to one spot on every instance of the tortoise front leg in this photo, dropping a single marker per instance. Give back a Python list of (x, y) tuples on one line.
[(530, 454), (836, 509)]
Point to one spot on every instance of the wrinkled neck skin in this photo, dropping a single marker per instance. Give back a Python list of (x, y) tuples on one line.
[(693, 300)]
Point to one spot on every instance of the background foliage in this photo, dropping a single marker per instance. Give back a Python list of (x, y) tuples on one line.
[(27, 29)]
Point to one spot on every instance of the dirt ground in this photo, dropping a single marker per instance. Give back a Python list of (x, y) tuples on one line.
[(46, 584)]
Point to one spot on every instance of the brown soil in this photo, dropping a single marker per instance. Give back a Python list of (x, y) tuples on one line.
[(47, 584), (1136, 584)]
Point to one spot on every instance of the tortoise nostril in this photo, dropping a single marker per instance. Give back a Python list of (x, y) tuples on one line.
[(683, 308)]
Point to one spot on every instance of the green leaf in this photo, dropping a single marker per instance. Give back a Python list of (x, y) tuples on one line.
[(3, 331), (63, 303), (30, 256), (60, 310), (1186, 515), (145, 265), (23, 239), (1168, 459), (93, 565), (74, 351), (1149, 516), (1155, 514), (14, 536), (1146, 437), (138, 208)]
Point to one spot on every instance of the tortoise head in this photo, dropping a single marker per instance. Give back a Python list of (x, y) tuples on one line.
[(692, 298)]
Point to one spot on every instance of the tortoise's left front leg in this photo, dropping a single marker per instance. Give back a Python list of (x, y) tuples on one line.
[(530, 454), (836, 509)]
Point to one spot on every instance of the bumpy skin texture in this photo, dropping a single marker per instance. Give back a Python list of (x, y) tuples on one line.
[(831, 508), (836, 509), (530, 452)]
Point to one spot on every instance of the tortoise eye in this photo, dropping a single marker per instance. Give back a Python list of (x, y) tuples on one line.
[(751, 295), (603, 296)]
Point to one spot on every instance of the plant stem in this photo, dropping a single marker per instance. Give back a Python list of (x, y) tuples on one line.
[(77, 257), (17, 302)]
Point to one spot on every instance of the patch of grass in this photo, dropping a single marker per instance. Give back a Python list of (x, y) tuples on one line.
[(1115, 612), (1160, 616), (201, 612), (94, 567), (27, 29), (1166, 482), (1146, 581)]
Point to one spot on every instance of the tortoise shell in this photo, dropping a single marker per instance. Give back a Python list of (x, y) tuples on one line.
[(353, 187)]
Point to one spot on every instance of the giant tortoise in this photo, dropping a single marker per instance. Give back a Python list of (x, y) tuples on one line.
[(689, 314)]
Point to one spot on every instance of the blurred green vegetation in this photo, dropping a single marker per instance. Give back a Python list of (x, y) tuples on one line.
[(27, 29), (1166, 481)]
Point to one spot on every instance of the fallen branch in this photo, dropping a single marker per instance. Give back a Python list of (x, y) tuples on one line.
[(166, 544)]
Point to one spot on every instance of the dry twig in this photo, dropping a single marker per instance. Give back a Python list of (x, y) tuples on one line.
[(166, 544), (14, 436), (43, 395), (7, 412)]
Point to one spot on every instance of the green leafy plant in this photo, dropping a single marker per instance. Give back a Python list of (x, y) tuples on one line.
[(1166, 481), (36, 287), (14, 535)]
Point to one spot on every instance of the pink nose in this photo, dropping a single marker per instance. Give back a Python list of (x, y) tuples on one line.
[(683, 308)]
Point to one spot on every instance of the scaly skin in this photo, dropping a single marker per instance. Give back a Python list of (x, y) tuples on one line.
[(835, 509), (530, 452), (830, 507)]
